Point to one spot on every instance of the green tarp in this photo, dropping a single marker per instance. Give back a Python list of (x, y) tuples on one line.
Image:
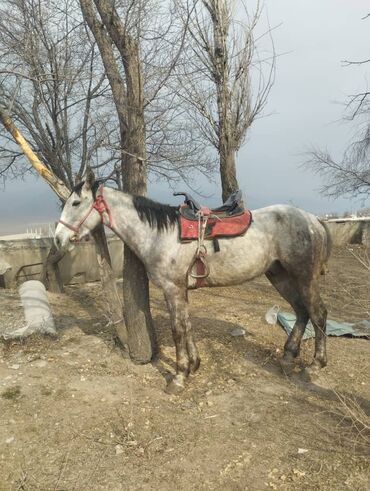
[(333, 328)]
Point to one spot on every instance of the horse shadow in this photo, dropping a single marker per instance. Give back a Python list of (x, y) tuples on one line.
[(89, 318), (206, 329), (252, 351)]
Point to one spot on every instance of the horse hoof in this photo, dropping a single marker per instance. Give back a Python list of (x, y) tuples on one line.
[(287, 366), (194, 365), (174, 388)]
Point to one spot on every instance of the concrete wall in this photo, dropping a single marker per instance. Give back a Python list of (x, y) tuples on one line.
[(80, 265), (350, 232)]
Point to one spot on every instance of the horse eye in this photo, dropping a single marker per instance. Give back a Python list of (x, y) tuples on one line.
[(76, 203)]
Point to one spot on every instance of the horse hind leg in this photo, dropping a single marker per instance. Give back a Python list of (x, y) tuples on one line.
[(318, 314), (284, 284), (314, 303), (310, 295)]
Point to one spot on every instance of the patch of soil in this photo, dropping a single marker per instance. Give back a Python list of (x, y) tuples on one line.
[(76, 415)]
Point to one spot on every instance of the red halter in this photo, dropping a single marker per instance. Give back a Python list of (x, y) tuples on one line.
[(100, 205)]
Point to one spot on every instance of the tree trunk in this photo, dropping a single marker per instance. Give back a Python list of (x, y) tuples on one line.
[(128, 98), (134, 176), (143, 343), (50, 275), (226, 147), (112, 299), (137, 309), (227, 169)]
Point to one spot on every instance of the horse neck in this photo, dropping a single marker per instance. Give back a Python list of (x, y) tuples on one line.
[(127, 224)]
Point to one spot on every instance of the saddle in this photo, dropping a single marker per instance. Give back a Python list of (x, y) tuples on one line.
[(201, 223), (229, 220)]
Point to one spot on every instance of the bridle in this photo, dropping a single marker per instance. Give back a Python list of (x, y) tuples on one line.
[(100, 205)]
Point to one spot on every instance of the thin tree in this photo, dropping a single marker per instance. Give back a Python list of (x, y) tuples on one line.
[(216, 78), (349, 175)]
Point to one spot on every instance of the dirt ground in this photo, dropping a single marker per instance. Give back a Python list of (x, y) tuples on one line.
[(76, 415)]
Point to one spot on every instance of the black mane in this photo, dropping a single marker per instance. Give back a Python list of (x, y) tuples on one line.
[(156, 214)]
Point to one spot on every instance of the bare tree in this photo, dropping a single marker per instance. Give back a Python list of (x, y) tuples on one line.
[(125, 78), (350, 175), (52, 86), (216, 78)]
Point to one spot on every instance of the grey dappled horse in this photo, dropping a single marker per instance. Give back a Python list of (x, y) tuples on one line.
[(288, 245)]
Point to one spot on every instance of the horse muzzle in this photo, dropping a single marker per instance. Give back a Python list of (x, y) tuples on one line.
[(65, 242)]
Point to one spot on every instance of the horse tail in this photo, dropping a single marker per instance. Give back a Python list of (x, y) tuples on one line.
[(328, 247)]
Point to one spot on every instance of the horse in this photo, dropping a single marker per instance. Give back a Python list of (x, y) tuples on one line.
[(290, 246)]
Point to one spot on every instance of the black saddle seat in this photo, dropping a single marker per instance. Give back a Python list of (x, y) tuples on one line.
[(232, 206), (233, 202), (190, 201)]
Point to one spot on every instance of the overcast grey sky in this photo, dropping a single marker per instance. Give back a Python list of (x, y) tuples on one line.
[(304, 110)]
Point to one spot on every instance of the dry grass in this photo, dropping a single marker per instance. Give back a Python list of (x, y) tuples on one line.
[(103, 423), (354, 416), (362, 255)]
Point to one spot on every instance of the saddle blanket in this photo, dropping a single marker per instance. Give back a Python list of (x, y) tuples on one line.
[(220, 226)]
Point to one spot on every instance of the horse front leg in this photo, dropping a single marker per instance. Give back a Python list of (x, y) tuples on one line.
[(194, 360), (187, 358)]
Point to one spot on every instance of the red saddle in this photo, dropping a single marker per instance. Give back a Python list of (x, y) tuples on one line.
[(218, 224)]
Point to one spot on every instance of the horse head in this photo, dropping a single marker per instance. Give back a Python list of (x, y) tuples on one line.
[(79, 216)]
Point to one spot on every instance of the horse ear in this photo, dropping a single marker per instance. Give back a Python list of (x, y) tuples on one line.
[(89, 179)]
